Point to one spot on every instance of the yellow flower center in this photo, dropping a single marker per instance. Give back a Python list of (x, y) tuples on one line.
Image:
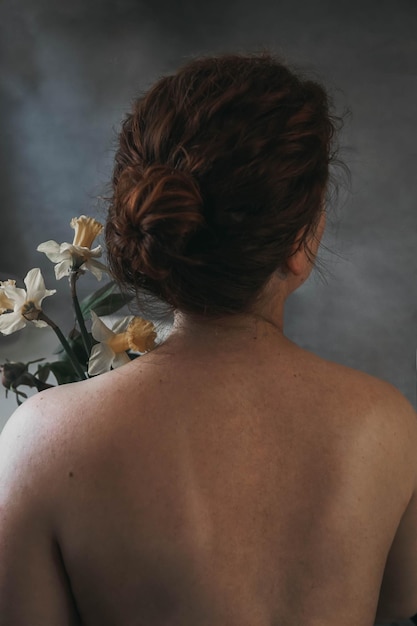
[(86, 230), (118, 343), (5, 303), (139, 336)]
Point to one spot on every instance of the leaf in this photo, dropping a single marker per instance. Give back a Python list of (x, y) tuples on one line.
[(63, 372), (95, 298), (43, 372), (76, 343), (105, 301), (114, 303)]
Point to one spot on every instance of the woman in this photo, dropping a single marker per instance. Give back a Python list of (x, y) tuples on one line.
[(228, 477)]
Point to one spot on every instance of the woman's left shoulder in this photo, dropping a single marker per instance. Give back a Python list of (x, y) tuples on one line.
[(33, 438), (47, 427)]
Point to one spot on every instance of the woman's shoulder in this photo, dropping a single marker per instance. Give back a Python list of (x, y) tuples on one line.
[(53, 423), (373, 390), (355, 382), (76, 420), (378, 403), (359, 397)]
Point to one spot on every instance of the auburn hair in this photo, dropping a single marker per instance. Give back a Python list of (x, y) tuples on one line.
[(219, 168)]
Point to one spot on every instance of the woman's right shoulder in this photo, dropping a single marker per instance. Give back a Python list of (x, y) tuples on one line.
[(370, 389), (375, 402), (387, 415)]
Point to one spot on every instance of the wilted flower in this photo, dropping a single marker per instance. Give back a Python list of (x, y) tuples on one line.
[(128, 334), (18, 306), (5, 303), (16, 374), (77, 255)]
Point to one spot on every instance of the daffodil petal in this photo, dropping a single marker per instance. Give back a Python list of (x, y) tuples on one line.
[(52, 249), (16, 295), (83, 252), (95, 267), (10, 322), (34, 281), (66, 250), (96, 252), (75, 251), (120, 325), (35, 285), (99, 330), (62, 269), (120, 359), (101, 359)]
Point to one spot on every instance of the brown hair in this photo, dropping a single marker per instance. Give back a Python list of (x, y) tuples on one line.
[(219, 168)]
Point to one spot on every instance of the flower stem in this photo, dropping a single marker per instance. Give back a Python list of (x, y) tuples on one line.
[(70, 352), (80, 319)]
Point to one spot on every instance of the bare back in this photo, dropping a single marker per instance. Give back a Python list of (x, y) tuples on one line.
[(265, 491)]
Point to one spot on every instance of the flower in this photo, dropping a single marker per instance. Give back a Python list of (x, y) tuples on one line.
[(5, 303), (18, 306), (78, 255), (128, 334)]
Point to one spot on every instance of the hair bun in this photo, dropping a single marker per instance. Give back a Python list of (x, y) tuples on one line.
[(155, 212)]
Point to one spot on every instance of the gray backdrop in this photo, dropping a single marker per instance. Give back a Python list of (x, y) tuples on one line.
[(68, 72)]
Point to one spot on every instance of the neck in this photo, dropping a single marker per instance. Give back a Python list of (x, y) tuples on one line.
[(261, 323)]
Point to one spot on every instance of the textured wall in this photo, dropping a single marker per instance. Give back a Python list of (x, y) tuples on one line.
[(69, 70)]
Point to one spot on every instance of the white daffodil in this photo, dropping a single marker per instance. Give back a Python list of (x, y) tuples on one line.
[(127, 334), (77, 255), (18, 306)]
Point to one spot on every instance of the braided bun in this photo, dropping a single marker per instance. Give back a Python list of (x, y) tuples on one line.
[(154, 212)]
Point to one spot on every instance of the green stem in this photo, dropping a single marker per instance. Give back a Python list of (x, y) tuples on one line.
[(80, 318), (74, 361)]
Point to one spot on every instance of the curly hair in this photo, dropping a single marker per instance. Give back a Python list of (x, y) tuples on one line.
[(219, 169)]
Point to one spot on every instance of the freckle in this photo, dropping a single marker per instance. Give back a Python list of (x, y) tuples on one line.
[(70, 474)]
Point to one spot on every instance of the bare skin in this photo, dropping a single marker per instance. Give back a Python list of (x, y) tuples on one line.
[(227, 478)]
